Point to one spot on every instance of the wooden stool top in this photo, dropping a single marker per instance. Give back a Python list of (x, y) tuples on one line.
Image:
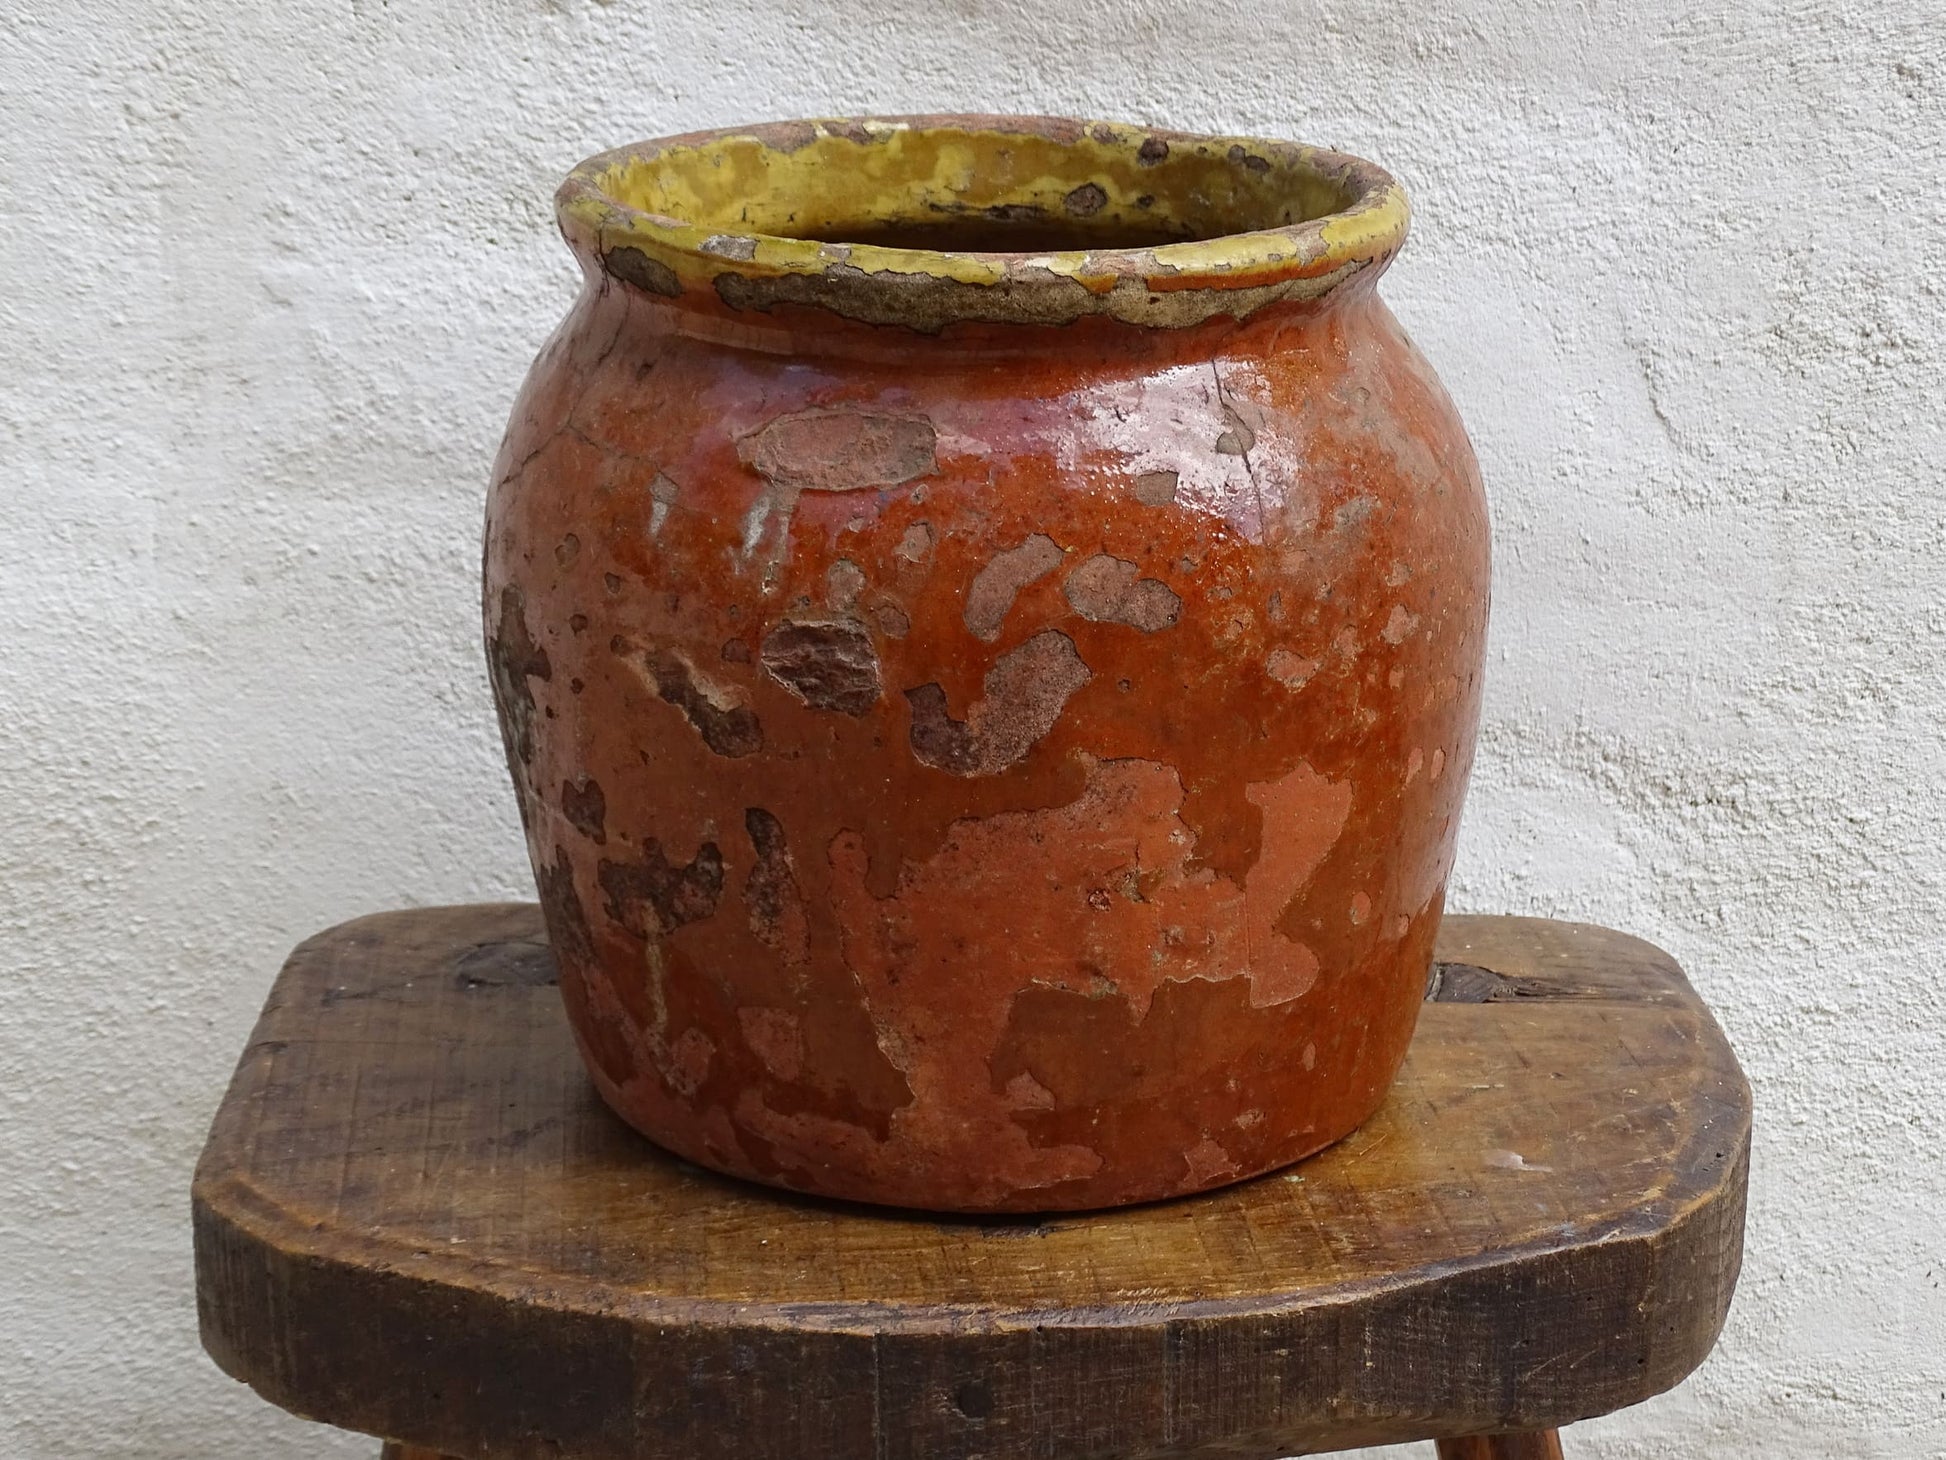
[(415, 1218)]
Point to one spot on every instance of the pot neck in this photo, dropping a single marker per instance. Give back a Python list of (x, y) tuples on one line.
[(796, 332)]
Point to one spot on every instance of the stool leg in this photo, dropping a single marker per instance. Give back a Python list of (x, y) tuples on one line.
[(1515, 1445)]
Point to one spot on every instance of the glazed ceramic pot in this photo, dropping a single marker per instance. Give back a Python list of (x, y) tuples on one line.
[(987, 617)]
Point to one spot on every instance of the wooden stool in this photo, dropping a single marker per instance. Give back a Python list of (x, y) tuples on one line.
[(414, 1218)]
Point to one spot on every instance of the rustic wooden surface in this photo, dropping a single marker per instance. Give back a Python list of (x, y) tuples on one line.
[(415, 1219)]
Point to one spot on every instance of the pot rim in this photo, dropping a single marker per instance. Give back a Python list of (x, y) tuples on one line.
[(671, 217)]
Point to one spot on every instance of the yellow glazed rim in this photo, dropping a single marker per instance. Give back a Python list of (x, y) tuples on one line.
[(1154, 228)]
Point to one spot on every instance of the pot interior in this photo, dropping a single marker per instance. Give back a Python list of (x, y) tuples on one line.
[(1035, 187)]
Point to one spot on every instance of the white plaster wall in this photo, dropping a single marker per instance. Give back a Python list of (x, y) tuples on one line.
[(270, 272)]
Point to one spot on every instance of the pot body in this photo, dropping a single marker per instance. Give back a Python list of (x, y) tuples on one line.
[(1013, 769)]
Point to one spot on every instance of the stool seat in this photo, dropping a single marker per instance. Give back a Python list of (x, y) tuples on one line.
[(415, 1218)]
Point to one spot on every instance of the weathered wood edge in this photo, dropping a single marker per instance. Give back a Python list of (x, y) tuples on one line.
[(268, 1338), (239, 1230), (249, 1217)]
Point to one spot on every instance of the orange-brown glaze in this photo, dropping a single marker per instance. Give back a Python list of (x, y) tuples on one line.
[(995, 767)]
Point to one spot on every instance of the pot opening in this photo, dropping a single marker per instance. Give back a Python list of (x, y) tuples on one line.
[(1028, 203), (1027, 234), (959, 190)]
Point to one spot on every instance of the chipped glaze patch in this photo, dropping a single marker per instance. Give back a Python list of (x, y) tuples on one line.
[(728, 727), (833, 450), (777, 1038), (830, 664), (994, 588), (586, 808), (1206, 1165), (844, 580), (841, 450), (1123, 837), (771, 894), (513, 658), (662, 496), (1025, 692), (1293, 671), (915, 546), (1107, 589), (1399, 625)]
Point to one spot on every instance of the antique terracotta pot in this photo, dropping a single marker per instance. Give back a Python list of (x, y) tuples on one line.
[(987, 617)]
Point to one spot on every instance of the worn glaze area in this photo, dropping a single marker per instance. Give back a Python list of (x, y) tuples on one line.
[(986, 616)]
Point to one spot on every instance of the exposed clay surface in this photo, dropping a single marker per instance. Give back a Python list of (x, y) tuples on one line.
[(828, 451), (655, 894), (828, 665), (1025, 692), (841, 450), (513, 658), (994, 587), (1009, 770), (586, 808), (1106, 589), (727, 727), (1157, 488)]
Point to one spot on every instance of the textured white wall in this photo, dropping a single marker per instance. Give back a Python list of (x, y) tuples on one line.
[(269, 274)]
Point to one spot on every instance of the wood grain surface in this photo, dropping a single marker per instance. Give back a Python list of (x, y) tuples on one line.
[(415, 1219)]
